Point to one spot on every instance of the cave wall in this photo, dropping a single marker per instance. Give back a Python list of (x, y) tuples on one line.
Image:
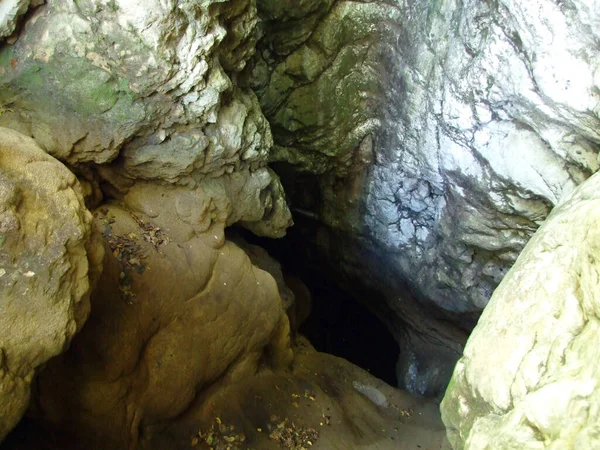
[(141, 114), (428, 140), (126, 91), (437, 137)]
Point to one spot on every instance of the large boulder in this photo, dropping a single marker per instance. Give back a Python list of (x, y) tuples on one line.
[(528, 377), (49, 261), (179, 311), (430, 140)]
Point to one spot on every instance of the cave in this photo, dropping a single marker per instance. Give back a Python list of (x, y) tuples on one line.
[(342, 326), (340, 321), (283, 224)]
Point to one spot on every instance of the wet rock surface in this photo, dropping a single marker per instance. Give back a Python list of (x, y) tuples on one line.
[(50, 259), (537, 388)]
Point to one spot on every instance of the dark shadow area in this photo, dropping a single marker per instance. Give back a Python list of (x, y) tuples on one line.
[(338, 323), (341, 326), (30, 435)]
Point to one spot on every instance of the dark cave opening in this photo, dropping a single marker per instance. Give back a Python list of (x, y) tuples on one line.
[(338, 324), (342, 326)]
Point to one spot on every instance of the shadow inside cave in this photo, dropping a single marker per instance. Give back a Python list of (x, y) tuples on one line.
[(338, 324)]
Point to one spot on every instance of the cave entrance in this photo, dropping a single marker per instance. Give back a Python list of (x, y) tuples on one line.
[(338, 324), (342, 326)]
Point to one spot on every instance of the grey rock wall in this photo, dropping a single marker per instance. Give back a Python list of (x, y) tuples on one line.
[(442, 134)]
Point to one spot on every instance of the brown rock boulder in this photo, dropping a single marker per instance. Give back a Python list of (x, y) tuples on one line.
[(176, 313), (49, 258)]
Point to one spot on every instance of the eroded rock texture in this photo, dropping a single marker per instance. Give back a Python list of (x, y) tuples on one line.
[(186, 334), (176, 312), (441, 135), (424, 142), (141, 101), (528, 377), (49, 261), (145, 91)]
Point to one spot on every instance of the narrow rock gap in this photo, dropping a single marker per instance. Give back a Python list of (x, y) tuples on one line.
[(338, 324)]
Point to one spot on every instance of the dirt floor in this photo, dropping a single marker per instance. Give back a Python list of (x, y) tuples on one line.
[(324, 403), (319, 405)]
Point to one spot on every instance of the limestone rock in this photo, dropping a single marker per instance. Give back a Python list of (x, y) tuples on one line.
[(112, 73), (441, 134), (11, 11), (147, 91), (49, 261), (261, 259), (528, 377), (254, 199), (178, 312), (140, 89)]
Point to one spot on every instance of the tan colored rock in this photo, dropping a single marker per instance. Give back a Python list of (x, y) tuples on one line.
[(179, 311), (254, 199), (325, 397), (326, 400), (49, 258), (529, 376), (186, 333)]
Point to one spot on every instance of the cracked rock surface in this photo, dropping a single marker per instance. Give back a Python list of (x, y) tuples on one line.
[(441, 134), (145, 92), (49, 261), (542, 324)]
